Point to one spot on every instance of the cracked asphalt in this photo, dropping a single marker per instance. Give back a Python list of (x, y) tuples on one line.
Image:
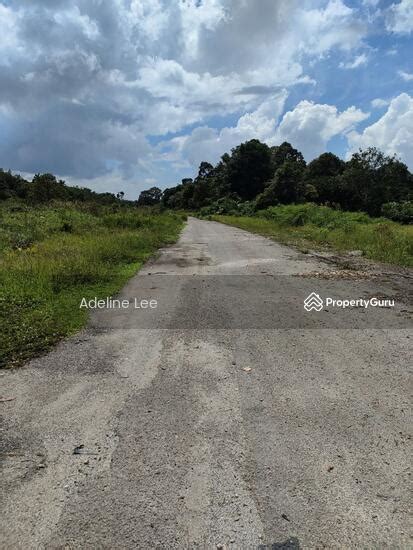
[(228, 417)]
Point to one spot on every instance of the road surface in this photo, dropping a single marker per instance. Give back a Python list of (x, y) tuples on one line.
[(226, 417)]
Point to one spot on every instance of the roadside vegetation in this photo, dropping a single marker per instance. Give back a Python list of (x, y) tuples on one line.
[(54, 253), (310, 226)]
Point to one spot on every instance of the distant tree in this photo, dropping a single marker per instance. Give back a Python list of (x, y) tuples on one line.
[(205, 170), (168, 196), (268, 197), (398, 211), (287, 186), (326, 164), (150, 197), (321, 178), (181, 196), (310, 193), (265, 176), (45, 187), (249, 168), (288, 182), (11, 185), (218, 180), (202, 193), (282, 153), (204, 183), (371, 179), (120, 195)]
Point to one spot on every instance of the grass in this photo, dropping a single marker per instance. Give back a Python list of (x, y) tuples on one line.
[(308, 225), (52, 257)]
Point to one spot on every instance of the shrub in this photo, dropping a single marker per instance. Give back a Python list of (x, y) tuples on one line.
[(320, 216), (398, 211)]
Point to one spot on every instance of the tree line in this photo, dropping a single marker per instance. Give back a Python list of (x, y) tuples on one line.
[(255, 176), (46, 187)]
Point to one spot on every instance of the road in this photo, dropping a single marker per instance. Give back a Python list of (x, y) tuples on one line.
[(225, 416)]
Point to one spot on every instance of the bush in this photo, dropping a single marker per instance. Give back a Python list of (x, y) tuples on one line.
[(321, 216), (225, 205), (398, 211)]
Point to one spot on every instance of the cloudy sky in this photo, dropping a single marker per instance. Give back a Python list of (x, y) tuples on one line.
[(126, 94)]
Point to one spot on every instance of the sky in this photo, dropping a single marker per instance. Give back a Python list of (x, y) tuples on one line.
[(122, 95)]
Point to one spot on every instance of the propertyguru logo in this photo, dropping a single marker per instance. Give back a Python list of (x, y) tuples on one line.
[(314, 302)]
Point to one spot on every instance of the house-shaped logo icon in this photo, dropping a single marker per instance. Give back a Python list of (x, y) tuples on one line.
[(313, 302)]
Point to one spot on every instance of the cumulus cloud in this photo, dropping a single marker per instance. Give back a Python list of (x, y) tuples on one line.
[(400, 17), (205, 143), (310, 126), (392, 133)]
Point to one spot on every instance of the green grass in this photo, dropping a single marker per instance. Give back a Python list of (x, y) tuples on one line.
[(308, 226), (52, 257)]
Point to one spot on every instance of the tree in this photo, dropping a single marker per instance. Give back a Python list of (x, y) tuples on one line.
[(321, 174), (268, 197), (120, 195), (282, 153), (168, 194), (266, 176), (371, 179), (288, 182), (399, 211), (45, 187), (205, 170), (287, 186), (150, 197), (11, 185), (249, 168)]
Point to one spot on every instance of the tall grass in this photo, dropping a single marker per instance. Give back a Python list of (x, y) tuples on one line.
[(307, 225), (50, 258)]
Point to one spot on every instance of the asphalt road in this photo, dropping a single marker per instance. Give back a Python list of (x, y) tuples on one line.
[(227, 415)]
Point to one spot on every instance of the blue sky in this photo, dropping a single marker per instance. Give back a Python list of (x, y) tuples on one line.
[(126, 94)]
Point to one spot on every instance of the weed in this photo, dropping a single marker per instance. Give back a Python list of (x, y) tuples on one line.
[(52, 257)]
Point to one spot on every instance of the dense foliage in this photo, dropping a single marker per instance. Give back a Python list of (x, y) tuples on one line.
[(255, 176)]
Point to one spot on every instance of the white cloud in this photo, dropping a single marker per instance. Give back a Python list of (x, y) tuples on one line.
[(405, 76), (378, 103), (310, 126), (73, 18), (209, 144), (319, 30), (392, 133), (400, 17), (357, 62)]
